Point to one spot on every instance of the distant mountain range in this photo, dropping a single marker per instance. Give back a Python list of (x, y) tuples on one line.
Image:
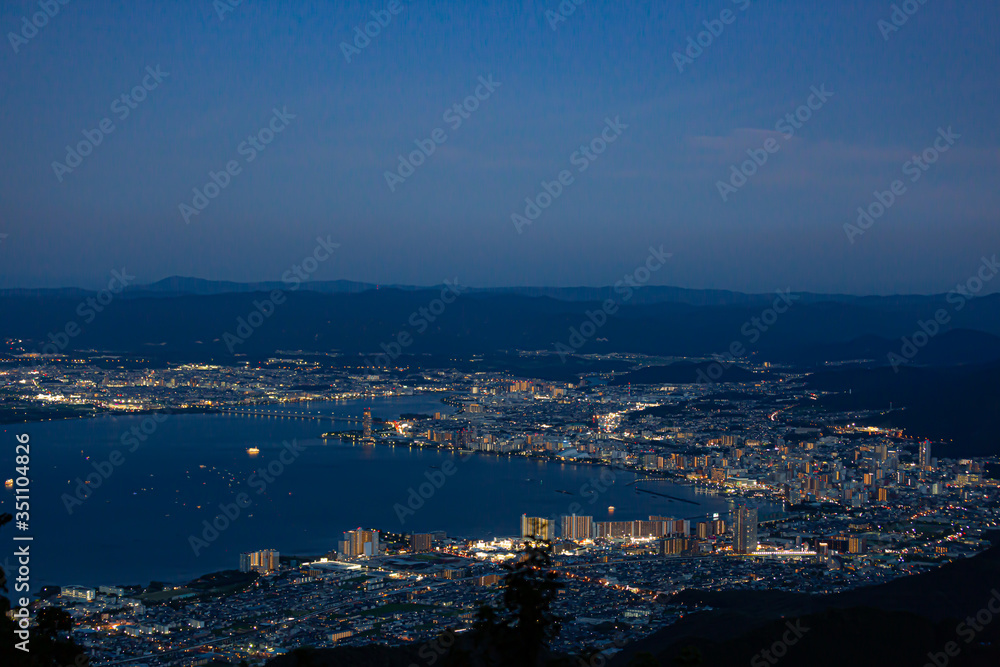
[(945, 391), (190, 318), (181, 286)]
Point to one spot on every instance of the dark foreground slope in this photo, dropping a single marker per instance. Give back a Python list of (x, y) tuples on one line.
[(903, 622), (351, 656), (911, 621)]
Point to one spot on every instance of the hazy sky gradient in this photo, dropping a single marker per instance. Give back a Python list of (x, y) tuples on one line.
[(324, 175)]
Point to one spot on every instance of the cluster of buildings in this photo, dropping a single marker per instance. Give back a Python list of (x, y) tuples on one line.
[(672, 534), (359, 543), (819, 502), (262, 562)]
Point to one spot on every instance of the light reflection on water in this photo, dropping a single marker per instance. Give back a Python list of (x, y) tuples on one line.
[(135, 525)]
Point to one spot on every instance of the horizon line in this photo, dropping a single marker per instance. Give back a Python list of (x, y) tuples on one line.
[(368, 286)]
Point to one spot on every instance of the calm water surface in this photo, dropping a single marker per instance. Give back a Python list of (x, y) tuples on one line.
[(135, 526)]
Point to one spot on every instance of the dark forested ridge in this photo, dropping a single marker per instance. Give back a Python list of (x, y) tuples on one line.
[(814, 329)]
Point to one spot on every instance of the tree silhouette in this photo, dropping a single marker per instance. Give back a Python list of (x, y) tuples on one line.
[(644, 659), (7, 651), (518, 628), (53, 622), (690, 656), (47, 643)]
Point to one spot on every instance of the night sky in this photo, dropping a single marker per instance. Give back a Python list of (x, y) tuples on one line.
[(656, 184)]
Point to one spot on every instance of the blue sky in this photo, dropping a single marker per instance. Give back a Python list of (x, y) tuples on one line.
[(655, 185)]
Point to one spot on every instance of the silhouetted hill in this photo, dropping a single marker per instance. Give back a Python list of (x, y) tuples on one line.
[(180, 286), (952, 347), (958, 405), (194, 325), (959, 346), (351, 656), (896, 623)]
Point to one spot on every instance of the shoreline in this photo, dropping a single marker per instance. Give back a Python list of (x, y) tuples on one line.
[(634, 475), (103, 412), (673, 477)]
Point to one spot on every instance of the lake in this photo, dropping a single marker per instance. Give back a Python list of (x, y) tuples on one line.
[(135, 525)]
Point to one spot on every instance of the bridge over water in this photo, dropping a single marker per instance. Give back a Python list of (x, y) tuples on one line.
[(290, 415)]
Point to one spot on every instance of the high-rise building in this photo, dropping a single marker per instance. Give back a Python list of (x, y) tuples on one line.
[(468, 438), (745, 530), (366, 424), (613, 529), (671, 546), (925, 454), (673, 526), (358, 543), (537, 527), (577, 527), (655, 527), (421, 541), (264, 561)]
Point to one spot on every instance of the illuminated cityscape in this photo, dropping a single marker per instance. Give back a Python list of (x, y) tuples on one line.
[(569, 333), (864, 505)]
